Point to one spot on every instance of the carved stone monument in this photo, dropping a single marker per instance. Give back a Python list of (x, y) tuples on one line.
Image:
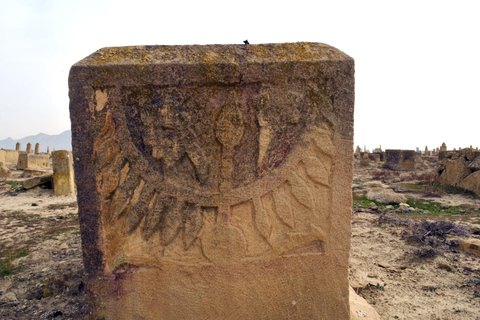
[(214, 182), (29, 148), (401, 160), (18, 146), (63, 176), (37, 148)]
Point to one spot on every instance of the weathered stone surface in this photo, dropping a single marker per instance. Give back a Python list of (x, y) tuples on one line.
[(33, 161), (475, 164), (455, 171), (63, 176), (471, 246), (214, 182), (375, 157), (4, 171), (472, 182), (36, 181), (360, 309), (9, 156), (401, 160)]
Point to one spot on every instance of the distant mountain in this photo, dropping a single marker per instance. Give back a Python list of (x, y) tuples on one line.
[(62, 141)]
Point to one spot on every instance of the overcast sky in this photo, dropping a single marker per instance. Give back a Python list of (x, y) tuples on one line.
[(417, 62)]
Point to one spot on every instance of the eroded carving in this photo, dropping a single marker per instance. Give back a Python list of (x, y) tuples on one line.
[(175, 173)]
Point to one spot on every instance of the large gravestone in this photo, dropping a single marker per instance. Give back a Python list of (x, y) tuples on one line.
[(214, 182), (400, 160)]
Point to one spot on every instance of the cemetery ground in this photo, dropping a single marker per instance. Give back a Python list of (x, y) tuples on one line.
[(406, 261)]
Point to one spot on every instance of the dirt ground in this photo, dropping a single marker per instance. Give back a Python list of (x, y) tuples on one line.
[(42, 277)]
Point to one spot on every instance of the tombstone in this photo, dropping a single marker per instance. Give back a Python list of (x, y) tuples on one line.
[(28, 161), (401, 160), (10, 156), (358, 150), (426, 151), (29, 147), (63, 177), (375, 157), (214, 182), (18, 146), (48, 150), (443, 147), (37, 148), (383, 156)]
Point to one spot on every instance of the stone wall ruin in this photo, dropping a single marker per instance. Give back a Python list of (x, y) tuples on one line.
[(214, 182)]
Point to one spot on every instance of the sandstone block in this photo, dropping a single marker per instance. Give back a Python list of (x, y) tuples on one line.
[(455, 171), (472, 182), (4, 171), (360, 309), (475, 164), (214, 182), (37, 181), (471, 246), (375, 157), (33, 161), (63, 176), (401, 160), (10, 156)]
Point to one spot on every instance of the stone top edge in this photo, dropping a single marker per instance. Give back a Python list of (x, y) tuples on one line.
[(214, 54)]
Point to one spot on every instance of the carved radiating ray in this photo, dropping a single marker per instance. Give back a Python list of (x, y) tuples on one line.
[(153, 218), (316, 170), (301, 191), (283, 209), (107, 151), (171, 222), (198, 159), (193, 224), (261, 218), (139, 209)]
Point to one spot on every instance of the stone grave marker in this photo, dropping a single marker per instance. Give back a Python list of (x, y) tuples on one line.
[(63, 176), (214, 182)]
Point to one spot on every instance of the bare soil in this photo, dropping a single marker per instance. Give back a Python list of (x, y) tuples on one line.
[(390, 273)]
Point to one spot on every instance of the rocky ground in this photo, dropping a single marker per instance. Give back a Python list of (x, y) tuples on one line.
[(408, 268), (405, 268), (41, 272)]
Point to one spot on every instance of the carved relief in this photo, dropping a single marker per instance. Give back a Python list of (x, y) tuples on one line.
[(175, 179)]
